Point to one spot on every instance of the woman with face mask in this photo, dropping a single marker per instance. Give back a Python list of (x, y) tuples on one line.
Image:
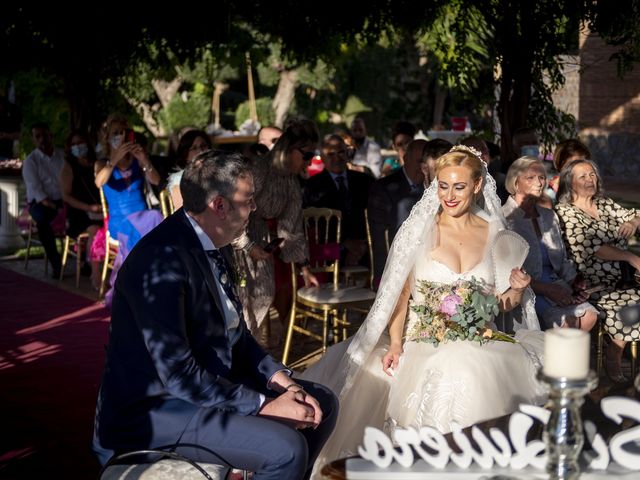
[(122, 174), (81, 195)]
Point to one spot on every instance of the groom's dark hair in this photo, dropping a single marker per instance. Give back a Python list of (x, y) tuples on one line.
[(208, 175)]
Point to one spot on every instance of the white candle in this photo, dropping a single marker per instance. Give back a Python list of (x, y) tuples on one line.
[(566, 353)]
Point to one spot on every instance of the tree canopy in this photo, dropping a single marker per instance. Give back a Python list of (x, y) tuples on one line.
[(465, 46)]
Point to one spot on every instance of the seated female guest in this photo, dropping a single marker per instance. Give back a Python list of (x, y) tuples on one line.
[(560, 296), (80, 194), (122, 175), (596, 231), (565, 154), (191, 144)]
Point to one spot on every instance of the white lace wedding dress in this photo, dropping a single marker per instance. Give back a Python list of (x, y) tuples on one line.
[(459, 382)]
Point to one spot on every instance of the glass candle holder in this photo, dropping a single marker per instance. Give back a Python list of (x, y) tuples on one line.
[(564, 435)]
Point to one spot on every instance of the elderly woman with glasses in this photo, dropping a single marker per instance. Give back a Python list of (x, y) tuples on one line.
[(596, 231), (278, 214), (560, 295)]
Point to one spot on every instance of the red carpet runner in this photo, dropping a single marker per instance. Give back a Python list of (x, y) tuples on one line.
[(51, 358)]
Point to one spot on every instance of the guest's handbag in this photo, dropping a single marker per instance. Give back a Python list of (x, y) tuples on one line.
[(629, 277)]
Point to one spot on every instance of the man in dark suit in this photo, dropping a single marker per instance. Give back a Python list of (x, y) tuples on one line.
[(390, 201), (181, 367), (341, 189)]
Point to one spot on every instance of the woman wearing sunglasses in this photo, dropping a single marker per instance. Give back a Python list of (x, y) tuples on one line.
[(278, 197)]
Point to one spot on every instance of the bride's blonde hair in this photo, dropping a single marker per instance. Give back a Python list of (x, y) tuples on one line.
[(457, 158)]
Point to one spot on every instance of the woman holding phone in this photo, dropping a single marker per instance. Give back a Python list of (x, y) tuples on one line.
[(122, 175)]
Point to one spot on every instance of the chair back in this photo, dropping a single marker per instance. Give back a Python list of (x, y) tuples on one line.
[(370, 247), (166, 203), (322, 229)]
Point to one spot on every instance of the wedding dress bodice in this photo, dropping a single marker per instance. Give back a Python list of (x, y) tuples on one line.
[(431, 270), (434, 271)]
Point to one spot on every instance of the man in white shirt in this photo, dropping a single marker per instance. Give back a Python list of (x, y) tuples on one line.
[(41, 173), (367, 151)]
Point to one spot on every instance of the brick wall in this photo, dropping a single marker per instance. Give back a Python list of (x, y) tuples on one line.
[(609, 110), (608, 103)]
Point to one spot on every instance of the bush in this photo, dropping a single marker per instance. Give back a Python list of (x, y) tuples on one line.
[(194, 112), (266, 115)]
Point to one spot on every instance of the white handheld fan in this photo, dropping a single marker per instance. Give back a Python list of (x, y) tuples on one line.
[(509, 251)]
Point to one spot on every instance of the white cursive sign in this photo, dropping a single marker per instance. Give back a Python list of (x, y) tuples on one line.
[(432, 447)]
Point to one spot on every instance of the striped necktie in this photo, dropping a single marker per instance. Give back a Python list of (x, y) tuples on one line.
[(224, 276)]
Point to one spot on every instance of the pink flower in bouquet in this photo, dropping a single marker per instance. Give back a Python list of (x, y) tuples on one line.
[(449, 304)]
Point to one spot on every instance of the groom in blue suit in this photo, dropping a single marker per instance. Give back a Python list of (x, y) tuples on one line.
[(181, 367)]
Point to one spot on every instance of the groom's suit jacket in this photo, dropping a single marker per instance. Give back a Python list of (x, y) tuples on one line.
[(169, 341)]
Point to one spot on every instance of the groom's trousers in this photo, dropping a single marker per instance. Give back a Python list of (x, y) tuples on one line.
[(267, 447)]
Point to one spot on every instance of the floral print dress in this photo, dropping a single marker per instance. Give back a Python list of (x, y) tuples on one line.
[(583, 235)]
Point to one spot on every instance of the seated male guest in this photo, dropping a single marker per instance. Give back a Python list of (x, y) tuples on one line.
[(40, 172), (341, 189), (390, 201), (181, 367)]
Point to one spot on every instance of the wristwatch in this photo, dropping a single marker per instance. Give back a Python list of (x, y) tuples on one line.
[(147, 168)]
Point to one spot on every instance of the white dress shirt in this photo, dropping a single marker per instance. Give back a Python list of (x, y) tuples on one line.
[(231, 316), (41, 175), (370, 156)]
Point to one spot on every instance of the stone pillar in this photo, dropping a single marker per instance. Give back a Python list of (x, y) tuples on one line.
[(10, 194)]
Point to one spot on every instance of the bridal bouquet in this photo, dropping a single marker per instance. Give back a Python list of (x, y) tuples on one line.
[(458, 311)]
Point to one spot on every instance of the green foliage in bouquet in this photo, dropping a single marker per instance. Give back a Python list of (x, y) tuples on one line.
[(459, 311)]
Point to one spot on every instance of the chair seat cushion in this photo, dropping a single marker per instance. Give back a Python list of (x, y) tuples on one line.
[(326, 294), (350, 270), (163, 470)]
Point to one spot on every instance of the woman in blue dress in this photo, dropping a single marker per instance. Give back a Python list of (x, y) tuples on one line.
[(122, 174)]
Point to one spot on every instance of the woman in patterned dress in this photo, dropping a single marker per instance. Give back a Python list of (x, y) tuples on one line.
[(596, 231), (278, 197)]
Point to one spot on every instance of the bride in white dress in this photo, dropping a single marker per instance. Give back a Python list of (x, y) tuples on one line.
[(386, 382)]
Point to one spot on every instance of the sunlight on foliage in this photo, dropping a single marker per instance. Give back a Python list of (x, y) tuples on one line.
[(458, 39)]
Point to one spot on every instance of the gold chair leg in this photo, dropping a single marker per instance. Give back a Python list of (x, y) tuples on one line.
[(287, 342), (103, 276), (345, 322), (28, 253), (325, 329), (65, 254), (78, 261), (599, 348), (634, 359)]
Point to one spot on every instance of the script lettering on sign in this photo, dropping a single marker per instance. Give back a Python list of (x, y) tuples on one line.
[(431, 445)]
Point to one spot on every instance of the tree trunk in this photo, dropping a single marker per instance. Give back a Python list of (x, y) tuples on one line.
[(166, 90), (284, 95), (438, 105), (147, 112), (516, 81), (81, 93)]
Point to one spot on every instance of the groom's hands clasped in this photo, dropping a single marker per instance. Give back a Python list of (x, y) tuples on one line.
[(294, 407)]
